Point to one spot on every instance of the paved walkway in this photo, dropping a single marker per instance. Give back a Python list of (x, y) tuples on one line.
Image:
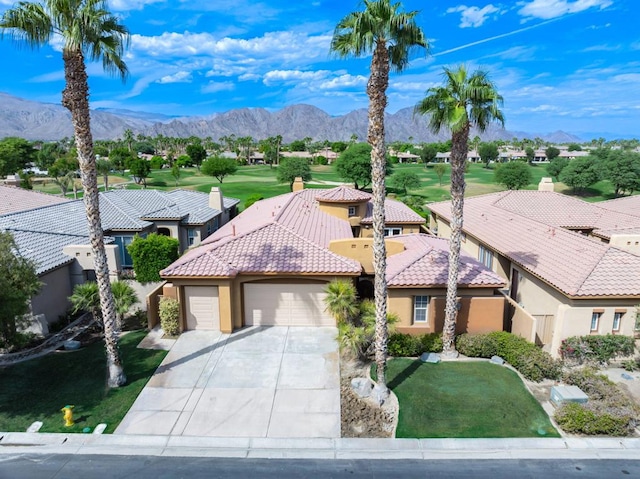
[(259, 382)]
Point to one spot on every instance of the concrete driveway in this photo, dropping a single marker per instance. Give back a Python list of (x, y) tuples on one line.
[(256, 382)]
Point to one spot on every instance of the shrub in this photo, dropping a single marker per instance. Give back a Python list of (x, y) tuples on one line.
[(251, 199), (597, 348), (407, 345), (152, 254), (533, 363), (169, 313), (609, 411)]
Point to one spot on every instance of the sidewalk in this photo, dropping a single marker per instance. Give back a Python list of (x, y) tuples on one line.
[(428, 449)]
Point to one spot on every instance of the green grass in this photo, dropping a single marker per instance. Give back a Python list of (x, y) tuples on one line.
[(36, 390), (261, 179), (464, 399)]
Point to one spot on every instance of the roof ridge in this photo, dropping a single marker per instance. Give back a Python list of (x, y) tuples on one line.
[(418, 258), (293, 194), (596, 264), (113, 204)]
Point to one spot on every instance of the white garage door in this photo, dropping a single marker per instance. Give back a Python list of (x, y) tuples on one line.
[(202, 307), (285, 305)]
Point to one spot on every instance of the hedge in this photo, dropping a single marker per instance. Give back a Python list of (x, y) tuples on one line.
[(406, 345), (597, 348), (533, 363)]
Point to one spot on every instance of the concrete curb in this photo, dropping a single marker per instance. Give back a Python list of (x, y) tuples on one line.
[(417, 449)]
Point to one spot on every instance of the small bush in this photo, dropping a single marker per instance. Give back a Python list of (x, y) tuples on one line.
[(609, 411), (630, 364), (597, 348), (406, 345), (251, 199), (169, 313), (533, 363)]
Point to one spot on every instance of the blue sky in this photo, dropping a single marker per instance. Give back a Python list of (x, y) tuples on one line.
[(571, 65)]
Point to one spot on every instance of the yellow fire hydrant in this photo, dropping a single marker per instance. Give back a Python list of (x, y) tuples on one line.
[(67, 415)]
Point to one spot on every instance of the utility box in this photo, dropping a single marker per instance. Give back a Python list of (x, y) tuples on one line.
[(561, 394)]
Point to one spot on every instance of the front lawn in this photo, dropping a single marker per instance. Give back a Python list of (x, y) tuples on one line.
[(36, 390), (464, 399)]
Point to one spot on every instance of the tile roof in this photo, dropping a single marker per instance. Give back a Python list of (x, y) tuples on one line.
[(342, 194), (629, 205), (394, 212), (14, 199), (575, 264), (425, 261), (289, 234)]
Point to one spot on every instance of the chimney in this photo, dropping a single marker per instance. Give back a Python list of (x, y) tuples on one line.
[(298, 184), (215, 199), (546, 184)]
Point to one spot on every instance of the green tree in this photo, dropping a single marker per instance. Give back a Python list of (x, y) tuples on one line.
[(176, 172), (15, 155), (152, 254), (428, 153), (404, 180), (83, 29), (622, 168), (462, 101), (555, 167), (342, 300), (488, 152), (197, 153), (390, 35), (120, 158), (63, 172), (219, 167), (354, 164), (552, 152), (514, 176), (440, 169), (581, 173), (574, 147), (531, 154), (18, 283), (103, 167), (297, 145), (157, 162), (140, 169), (291, 168)]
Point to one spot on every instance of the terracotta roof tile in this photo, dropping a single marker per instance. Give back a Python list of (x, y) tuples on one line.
[(571, 262), (394, 212), (343, 194), (14, 199)]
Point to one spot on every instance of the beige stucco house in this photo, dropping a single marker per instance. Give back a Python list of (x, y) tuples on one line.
[(572, 267), (271, 265)]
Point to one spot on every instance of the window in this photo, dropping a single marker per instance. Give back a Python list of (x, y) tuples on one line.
[(485, 257), (353, 211), (392, 231), (420, 304), (122, 242), (595, 320), (191, 236), (617, 317)]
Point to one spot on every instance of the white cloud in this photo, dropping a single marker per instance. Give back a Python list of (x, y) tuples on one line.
[(602, 48), (213, 87), (343, 81), (473, 16), (126, 5), (48, 77), (292, 76), (178, 77), (546, 9)]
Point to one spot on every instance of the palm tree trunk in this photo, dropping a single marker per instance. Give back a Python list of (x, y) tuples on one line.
[(458, 163), (75, 97), (376, 90)]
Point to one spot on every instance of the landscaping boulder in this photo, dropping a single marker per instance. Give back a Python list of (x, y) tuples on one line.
[(430, 358), (497, 360), (362, 387)]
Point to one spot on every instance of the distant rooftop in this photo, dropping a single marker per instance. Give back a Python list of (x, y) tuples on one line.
[(13, 199)]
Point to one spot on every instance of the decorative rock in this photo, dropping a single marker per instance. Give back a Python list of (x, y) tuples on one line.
[(100, 428), (35, 427), (432, 358), (497, 360), (379, 395), (627, 376), (71, 345), (362, 387)]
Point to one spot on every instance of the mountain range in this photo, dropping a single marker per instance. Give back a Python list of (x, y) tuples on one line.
[(46, 121)]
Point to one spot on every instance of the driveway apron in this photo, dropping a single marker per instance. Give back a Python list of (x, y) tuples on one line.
[(257, 382)]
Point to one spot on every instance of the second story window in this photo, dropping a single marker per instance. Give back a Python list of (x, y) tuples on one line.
[(191, 236), (353, 211), (485, 256)]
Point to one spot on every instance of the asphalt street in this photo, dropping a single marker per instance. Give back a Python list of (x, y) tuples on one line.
[(63, 466)]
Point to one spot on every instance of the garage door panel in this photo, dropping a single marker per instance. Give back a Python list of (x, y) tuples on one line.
[(286, 305), (202, 307)]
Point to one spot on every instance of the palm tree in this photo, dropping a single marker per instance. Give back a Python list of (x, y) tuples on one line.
[(124, 296), (86, 29), (86, 297), (390, 35), (342, 300), (464, 100)]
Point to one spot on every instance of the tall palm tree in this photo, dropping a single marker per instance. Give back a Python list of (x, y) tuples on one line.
[(464, 100), (390, 35), (87, 30)]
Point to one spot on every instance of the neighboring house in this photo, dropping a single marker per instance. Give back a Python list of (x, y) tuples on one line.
[(55, 235), (573, 266), (271, 265), (13, 199)]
